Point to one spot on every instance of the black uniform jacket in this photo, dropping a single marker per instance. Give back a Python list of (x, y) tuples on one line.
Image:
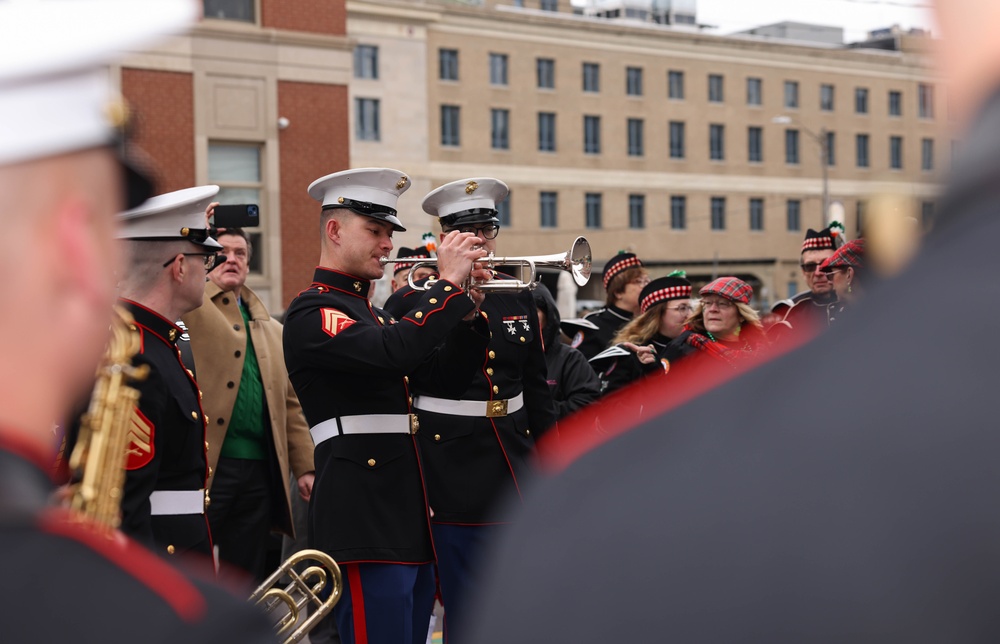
[(471, 462), (167, 449), (747, 516), (69, 581), (590, 342), (347, 358), (618, 366)]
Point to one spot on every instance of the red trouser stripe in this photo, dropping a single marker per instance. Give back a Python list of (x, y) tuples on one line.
[(357, 604)]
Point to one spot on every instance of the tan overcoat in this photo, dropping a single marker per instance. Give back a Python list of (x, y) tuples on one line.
[(218, 341)]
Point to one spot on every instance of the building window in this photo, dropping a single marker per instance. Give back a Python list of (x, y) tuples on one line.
[(830, 147), (592, 202), (547, 209), (236, 169), (793, 215), (715, 88), (718, 213), (637, 211), (239, 10), (860, 210), (503, 211), (500, 129), (896, 152), (549, 5), (861, 150), (792, 147), (792, 94), (716, 142), (675, 85), (678, 213), (366, 121), (546, 132), (826, 98), (635, 148), (927, 155), (755, 144), (448, 64), (756, 214), (498, 69), (451, 125), (676, 139), (633, 81), (592, 134), (546, 69), (895, 103), (860, 100), (754, 91), (591, 77), (366, 61), (925, 101)]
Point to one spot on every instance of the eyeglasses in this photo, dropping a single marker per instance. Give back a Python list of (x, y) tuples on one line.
[(211, 259), (830, 270), (683, 308), (810, 267), (719, 304), (489, 231)]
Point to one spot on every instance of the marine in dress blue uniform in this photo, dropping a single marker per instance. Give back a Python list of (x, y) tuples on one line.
[(477, 433), (353, 367)]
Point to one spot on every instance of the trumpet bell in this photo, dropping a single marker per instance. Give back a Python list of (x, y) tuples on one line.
[(580, 261)]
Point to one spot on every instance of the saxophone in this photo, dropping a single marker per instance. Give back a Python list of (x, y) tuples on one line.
[(99, 455)]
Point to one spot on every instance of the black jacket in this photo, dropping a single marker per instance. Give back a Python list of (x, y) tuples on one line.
[(591, 341), (347, 358), (571, 380), (619, 367)]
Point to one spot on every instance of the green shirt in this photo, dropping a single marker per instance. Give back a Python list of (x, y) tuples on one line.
[(245, 435)]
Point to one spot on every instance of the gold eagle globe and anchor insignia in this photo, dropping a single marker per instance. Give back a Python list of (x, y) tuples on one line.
[(401, 183), (471, 187)]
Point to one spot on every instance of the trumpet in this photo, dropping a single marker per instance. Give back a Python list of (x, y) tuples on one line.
[(577, 261), (304, 588)]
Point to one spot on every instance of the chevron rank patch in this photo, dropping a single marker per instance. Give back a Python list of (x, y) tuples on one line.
[(140, 441), (335, 321)]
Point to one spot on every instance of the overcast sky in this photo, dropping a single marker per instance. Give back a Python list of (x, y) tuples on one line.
[(856, 16)]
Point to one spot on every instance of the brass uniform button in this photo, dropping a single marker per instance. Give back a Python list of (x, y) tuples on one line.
[(194, 415), (201, 395), (208, 500), (522, 338), (418, 314), (206, 419), (371, 462), (492, 355), (206, 446), (527, 432), (489, 371), (172, 335), (437, 437), (406, 379), (190, 373), (433, 300), (447, 289), (210, 471), (496, 389), (170, 550), (410, 400)]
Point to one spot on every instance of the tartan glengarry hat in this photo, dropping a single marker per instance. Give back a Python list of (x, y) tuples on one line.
[(663, 289), (731, 288), (826, 239), (416, 253), (174, 216), (850, 254), (370, 192), (620, 262), (466, 201)]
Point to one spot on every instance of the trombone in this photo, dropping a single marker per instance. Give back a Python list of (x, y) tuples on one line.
[(577, 261)]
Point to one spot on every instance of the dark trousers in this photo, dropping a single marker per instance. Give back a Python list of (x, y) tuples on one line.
[(458, 549), (240, 517), (385, 603)]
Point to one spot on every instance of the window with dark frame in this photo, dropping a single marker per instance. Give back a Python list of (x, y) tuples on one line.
[(236, 10), (860, 100), (861, 144), (826, 98), (678, 212), (500, 129), (675, 85), (633, 81), (896, 152), (503, 211), (756, 214), (927, 155), (830, 145), (755, 144), (755, 91), (366, 61), (895, 103), (547, 203), (637, 211), (546, 132), (676, 139), (717, 142), (592, 134), (237, 169), (793, 215), (448, 64), (366, 119), (635, 138), (792, 147), (718, 209), (715, 88), (792, 94), (451, 133), (592, 204), (498, 69), (546, 73), (591, 77)]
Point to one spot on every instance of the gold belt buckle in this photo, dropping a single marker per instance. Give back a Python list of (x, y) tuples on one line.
[(496, 408), (414, 423)]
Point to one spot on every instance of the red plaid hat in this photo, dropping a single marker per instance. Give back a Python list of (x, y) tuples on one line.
[(850, 254), (731, 288), (663, 289), (826, 238), (404, 253), (620, 262)]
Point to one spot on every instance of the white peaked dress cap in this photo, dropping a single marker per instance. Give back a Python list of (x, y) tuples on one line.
[(372, 192), (55, 89), (178, 215), (481, 193)]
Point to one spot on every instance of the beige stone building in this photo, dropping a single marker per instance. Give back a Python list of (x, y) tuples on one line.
[(695, 151)]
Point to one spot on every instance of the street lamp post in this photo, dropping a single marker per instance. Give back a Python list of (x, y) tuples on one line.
[(824, 156)]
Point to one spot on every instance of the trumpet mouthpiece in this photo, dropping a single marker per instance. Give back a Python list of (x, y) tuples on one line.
[(383, 260)]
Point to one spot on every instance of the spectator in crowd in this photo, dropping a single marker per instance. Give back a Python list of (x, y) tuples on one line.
[(812, 308), (401, 270), (847, 272)]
